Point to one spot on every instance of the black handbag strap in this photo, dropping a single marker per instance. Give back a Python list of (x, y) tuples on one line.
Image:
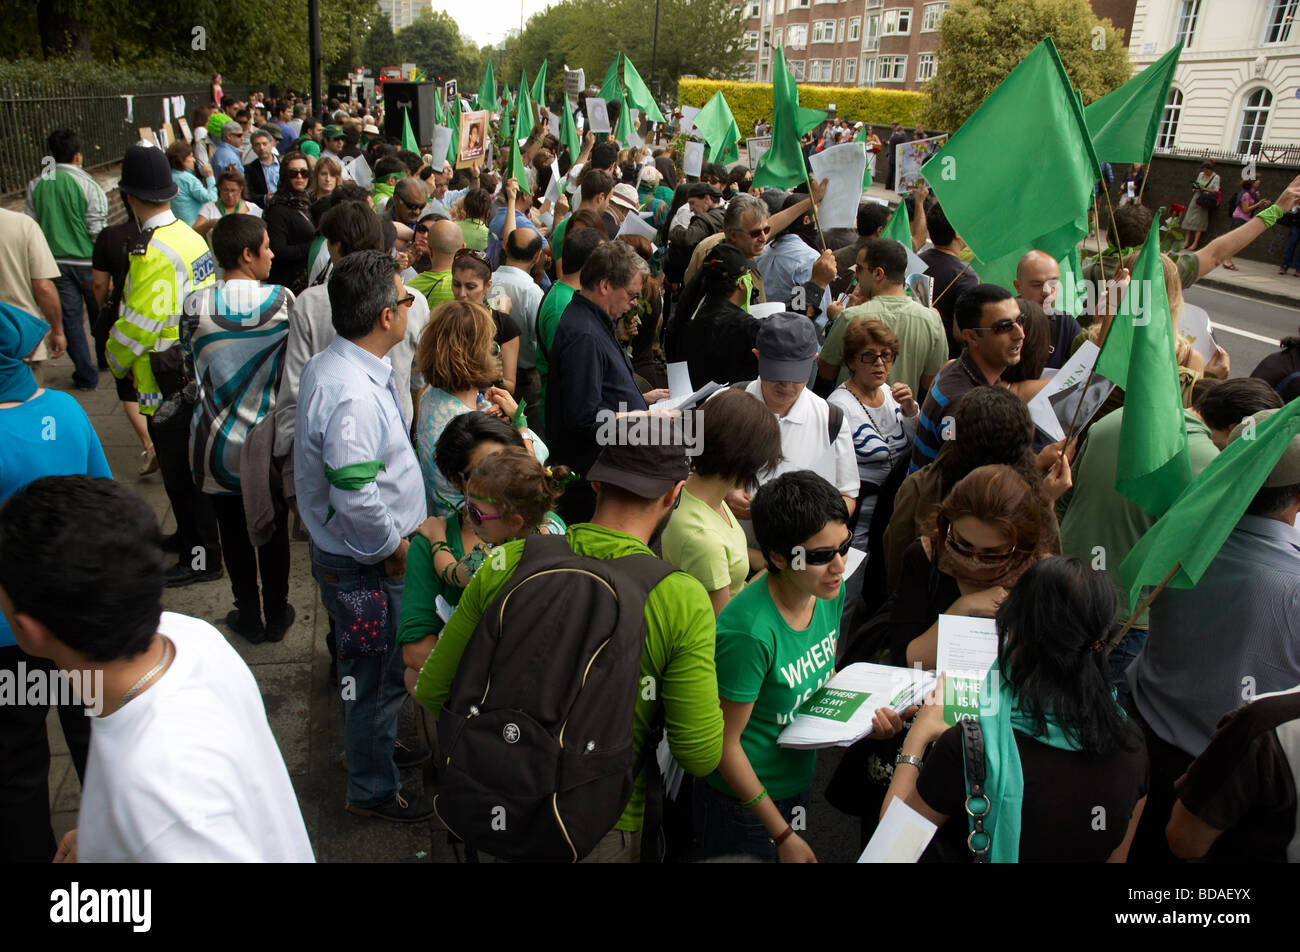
[(977, 801)]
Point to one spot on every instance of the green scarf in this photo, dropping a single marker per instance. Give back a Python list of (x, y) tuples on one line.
[(747, 282), (1004, 782)]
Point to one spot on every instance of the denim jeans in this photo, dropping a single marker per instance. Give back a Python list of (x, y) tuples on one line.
[(1123, 655), (724, 828), (74, 286), (371, 688), (1291, 254)]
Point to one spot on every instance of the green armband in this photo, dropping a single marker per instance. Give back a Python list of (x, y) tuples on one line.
[(755, 801), (1270, 215)]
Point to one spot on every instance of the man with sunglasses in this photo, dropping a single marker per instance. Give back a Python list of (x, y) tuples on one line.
[(361, 496), (992, 331), (410, 196)]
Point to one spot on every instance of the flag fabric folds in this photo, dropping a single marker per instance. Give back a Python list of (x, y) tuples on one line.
[(782, 165), (569, 130), (991, 180), (624, 130), (1138, 355), (610, 89), (526, 115), (487, 90), (408, 134), (718, 128), (899, 227), (517, 170), (638, 93), (539, 86), (1124, 123), (1191, 533)]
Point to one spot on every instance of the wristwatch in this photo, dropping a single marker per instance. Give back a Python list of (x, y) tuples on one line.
[(903, 758)]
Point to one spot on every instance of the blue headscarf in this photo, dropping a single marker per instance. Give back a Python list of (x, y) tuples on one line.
[(20, 333)]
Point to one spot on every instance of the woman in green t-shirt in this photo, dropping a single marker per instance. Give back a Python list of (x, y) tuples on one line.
[(776, 646), (740, 438)]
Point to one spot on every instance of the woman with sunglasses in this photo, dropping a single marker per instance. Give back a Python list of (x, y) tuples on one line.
[(1059, 753), (447, 551), (776, 646), (459, 360), (288, 221), (471, 282)]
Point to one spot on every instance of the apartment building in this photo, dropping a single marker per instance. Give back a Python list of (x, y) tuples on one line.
[(1235, 90), (403, 13)]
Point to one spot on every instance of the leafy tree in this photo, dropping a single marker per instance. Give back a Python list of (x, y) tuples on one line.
[(981, 41), (380, 48)]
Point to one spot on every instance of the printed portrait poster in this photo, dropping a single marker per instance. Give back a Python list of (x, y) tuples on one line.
[(473, 136), (910, 156)]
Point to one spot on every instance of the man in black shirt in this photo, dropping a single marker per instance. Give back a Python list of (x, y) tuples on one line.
[(1038, 279), (951, 275), (720, 339)]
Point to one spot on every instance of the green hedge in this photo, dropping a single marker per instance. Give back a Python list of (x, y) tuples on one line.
[(750, 102)]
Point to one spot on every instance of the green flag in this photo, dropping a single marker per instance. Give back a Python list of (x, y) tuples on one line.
[(453, 147), (610, 89), (439, 117), (568, 130), (998, 191), (718, 128), (899, 227), (408, 134), (623, 129), (1190, 534), (516, 168), (1124, 123), (1138, 355), (638, 93), (487, 90), (866, 172), (782, 165), (539, 86), (526, 116), (503, 131)]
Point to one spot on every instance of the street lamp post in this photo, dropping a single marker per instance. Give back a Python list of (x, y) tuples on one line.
[(654, 45), (313, 24)]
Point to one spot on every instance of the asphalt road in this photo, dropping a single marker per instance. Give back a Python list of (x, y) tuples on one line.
[(1247, 328)]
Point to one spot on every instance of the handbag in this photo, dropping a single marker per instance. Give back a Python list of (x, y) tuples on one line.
[(364, 624), (977, 802)]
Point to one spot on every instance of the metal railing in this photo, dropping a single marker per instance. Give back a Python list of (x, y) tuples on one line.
[(1268, 154), (30, 109)]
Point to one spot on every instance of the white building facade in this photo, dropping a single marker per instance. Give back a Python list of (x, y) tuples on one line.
[(1235, 90)]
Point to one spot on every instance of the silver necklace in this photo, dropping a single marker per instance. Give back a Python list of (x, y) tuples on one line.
[(870, 416), (150, 674)]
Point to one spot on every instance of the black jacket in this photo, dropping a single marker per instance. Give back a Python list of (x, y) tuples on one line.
[(255, 181)]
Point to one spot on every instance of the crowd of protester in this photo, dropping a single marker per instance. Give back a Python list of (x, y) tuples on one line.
[(429, 373)]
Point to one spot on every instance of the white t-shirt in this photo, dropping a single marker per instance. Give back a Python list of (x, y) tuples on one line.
[(211, 212), (189, 771)]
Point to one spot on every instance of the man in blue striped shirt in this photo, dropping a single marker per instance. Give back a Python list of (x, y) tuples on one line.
[(361, 497), (993, 331)]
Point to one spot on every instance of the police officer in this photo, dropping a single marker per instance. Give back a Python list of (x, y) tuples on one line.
[(167, 262)]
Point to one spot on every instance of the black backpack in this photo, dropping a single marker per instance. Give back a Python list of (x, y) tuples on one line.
[(536, 732)]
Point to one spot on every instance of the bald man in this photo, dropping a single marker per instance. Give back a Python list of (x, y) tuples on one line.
[(445, 238), (1038, 279), (409, 199)]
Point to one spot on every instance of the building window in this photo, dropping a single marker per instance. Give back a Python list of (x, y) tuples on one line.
[(871, 39), (855, 29), (1188, 12), (930, 16), (751, 40), (897, 22), (751, 10), (1280, 18), (872, 4), (820, 70), (839, 31), (839, 66), (893, 69), (851, 69), (925, 67), (799, 4), (1254, 117), (868, 71), (1169, 119), (751, 73), (825, 1), (823, 31), (796, 35), (780, 7), (796, 67)]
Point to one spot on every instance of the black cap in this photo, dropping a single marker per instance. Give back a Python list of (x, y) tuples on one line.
[(147, 175), (647, 456), (725, 259), (701, 189)]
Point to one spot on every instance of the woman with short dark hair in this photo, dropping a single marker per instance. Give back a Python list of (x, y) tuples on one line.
[(1065, 772)]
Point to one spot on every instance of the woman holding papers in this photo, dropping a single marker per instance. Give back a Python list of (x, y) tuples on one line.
[(1065, 772), (776, 647)]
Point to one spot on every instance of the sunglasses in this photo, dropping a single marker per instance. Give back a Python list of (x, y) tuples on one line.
[(411, 206), (962, 547), (1003, 326), (477, 516), (297, 173), (405, 302), (824, 556), (869, 357), (760, 232)]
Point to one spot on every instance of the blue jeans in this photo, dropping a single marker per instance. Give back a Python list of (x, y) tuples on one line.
[(1291, 254), (724, 828), (374, 694), (1122, 656), (74, 286)]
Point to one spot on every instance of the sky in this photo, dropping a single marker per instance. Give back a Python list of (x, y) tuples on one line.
[(486, 21)]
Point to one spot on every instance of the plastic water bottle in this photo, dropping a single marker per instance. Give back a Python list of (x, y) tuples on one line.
[(484, 404)]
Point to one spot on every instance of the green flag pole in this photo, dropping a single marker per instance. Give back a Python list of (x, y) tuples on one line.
[(1146, 604), (1101, 265)]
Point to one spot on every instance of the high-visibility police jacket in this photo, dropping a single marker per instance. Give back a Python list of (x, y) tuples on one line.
[(168, 262)]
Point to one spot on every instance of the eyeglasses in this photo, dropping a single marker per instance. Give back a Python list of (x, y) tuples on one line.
[(962, 547), (405, 302), (477, 516), (869, 357), (297, 173), (1003, 326), (412, 206), (760, 232), (824, 556)]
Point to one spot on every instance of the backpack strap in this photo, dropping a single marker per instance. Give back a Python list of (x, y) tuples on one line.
[(834, 419), (1282, 384), (977, 801)]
